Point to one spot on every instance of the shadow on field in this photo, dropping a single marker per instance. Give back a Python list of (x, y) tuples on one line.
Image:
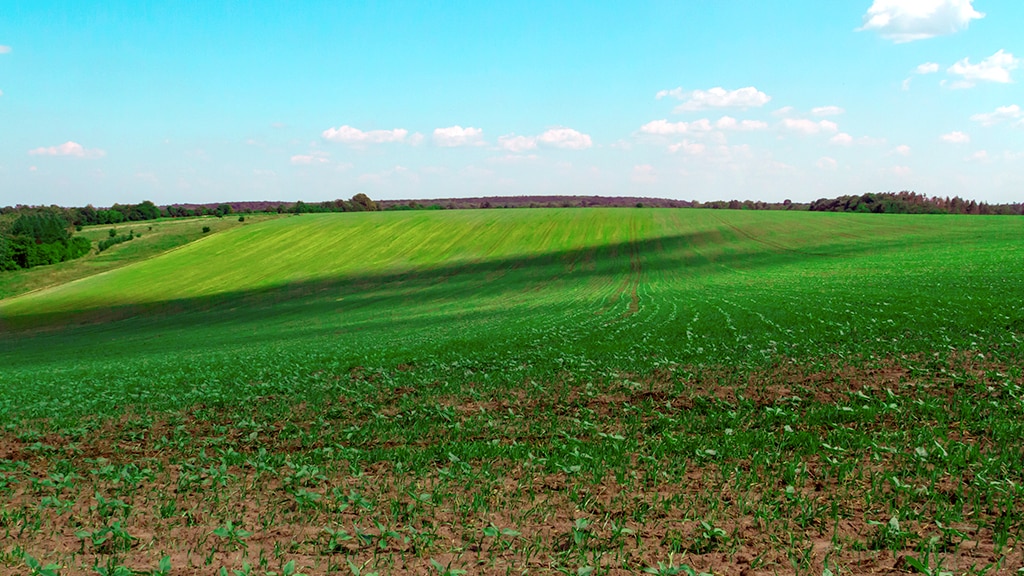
[(697, 255)]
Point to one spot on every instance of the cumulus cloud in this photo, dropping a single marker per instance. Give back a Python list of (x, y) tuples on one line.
[(677, 93), (926, 68), (349, 135), (644, 174), (702, 126), (909, 20), (955, 138), (842, 139), (730, 123), (902, 150), (805, 126), (458, 136), (687, 147), (5, 49), (68, 148), (1000, 115), (516, 143), (979, 156), (902, 170), (565, 138), (560, 137), (666, 128), (827, 163), (717, 97), (827, 111), (309, 159), (995, 68)]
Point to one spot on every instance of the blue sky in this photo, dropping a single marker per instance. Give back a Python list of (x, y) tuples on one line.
[(121, 101)]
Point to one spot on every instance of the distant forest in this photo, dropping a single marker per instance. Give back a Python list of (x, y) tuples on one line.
[(39, 235)]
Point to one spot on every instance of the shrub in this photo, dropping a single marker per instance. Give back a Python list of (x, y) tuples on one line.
[(112, 233), (113, 241), (206, 229)]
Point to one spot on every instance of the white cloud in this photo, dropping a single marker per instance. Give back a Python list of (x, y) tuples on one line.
[(515, 143), (902, 150), (783, 112), (927, 68), (717, 97), (902, 170), (561, 137), (676, 93), (5, 49), (909, 20), (565, 138), (702, 126), (842, 139), (995, 68), (1, 92), (805, 126), (309, 159), (350, 135), (513, 159), (1001, 114), (664, 127), (730, 123), (955, 138), (68, 148), (827, 111), (979, 156), (687, 147), (458, 136), (827, 163), (644, 174)]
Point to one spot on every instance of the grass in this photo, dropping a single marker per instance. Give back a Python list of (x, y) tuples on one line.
[(154, 237), (596, 391)]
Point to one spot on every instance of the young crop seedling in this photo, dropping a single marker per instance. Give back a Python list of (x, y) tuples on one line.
[(107, 540), (888, 535), (443, 570), (670, 568), (38, 569), (708, 538), (232, 534)]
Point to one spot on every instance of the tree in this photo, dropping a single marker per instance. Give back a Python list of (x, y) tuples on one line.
[(44, 228), (7, 255), (362, 202)]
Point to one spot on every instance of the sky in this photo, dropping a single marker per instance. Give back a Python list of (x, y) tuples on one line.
[(175, 102)]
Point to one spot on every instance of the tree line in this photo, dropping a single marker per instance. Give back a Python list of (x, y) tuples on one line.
[(911, 203)]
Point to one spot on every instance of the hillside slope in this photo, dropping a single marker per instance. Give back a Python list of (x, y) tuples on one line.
[(628, 272)]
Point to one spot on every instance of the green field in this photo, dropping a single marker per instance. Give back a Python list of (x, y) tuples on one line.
[(551, 391)]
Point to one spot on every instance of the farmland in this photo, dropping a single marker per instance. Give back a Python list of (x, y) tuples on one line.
[(563, 391)]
